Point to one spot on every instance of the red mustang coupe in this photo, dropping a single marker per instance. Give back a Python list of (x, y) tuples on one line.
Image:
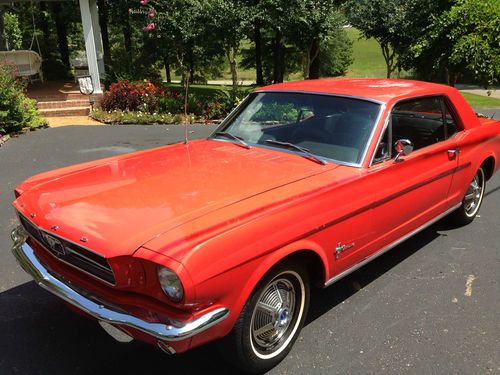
[(223, 238)]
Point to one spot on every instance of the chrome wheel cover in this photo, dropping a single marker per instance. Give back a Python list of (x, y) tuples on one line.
[(474, 195), (277, 315)]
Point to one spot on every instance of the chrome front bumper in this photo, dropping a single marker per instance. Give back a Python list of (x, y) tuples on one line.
[(175, 331)]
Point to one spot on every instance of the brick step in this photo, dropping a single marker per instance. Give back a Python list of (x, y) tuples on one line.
[(57, 97), (63, 104), (70, 111)]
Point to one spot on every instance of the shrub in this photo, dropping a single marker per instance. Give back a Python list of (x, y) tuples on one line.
[(147, 97), (16, 110), (132, 96), (171, 102), (126, 117)]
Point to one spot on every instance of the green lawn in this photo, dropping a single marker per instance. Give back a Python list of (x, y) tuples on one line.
[(478, 101), (367, 56), (207, 90), (368, 59)]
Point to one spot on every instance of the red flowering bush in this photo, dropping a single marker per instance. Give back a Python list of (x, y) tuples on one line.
[(148, 97), (132, 96)]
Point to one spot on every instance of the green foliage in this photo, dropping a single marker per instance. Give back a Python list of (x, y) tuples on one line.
[(461, 39), (228, 21), (277, 112), (16, 110), (144, 97), (13, 34), (473, 30), (384, 20), (313, 29), (336, 55), (141, 118)]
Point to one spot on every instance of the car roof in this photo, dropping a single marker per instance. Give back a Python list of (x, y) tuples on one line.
[(381, 90)]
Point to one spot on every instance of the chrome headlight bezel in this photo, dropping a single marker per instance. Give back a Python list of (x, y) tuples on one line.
[(171, 284)]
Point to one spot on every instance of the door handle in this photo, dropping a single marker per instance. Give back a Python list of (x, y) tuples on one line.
[(453, 152)]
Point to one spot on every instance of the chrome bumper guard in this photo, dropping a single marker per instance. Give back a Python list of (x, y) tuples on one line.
[(63, 289)]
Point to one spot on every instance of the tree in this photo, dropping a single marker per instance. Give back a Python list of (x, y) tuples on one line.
[(13, 35), (387, 21), (103, 23), (256, 36), (62, 32), (178, 24), (315, 25), (335, 55), (464, 39), (229, 20)]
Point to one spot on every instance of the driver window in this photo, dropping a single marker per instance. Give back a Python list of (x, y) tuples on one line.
[(421, 121)]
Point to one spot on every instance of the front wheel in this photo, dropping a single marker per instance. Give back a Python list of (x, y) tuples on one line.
[(472, 200), (271, 320)]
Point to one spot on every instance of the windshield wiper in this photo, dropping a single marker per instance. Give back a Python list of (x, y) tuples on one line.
[(234, 138), (304, 151)]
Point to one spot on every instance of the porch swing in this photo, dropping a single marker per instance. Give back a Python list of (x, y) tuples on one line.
[(28, 62)]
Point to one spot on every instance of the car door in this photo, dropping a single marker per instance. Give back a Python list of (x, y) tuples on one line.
[(411, 190)]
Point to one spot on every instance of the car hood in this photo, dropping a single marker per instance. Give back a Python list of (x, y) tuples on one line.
[(117, 204)]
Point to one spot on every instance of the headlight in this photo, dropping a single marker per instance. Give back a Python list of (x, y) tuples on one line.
[(170, 284)]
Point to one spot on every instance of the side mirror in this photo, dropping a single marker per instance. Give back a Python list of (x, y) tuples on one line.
[(403, 147)]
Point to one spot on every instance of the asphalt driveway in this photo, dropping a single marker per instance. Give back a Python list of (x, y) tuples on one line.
[(429, 306)]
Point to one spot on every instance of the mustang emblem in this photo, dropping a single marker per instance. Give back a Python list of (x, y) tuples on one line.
[(341, 248), (54, 245)]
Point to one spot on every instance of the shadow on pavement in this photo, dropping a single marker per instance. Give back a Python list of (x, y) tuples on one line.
[(324, 300)]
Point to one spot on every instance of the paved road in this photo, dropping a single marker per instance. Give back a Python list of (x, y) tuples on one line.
[(405, 313)]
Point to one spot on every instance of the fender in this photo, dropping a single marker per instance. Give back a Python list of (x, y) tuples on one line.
[(276, 257)]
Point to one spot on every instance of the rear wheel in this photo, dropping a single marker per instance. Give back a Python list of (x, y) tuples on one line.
[(271, 320), (472, 200)]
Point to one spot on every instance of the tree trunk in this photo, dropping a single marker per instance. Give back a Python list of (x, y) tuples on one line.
[(3, 46), (231, 54), (259, 74), (258, 54), (43, 24), (314, 60), (191, 66), (279, 60), (62, 33), (186, 96), (103, 23), (389, 55), (451, 77), (185, 82), (168, 73), (127, 36)]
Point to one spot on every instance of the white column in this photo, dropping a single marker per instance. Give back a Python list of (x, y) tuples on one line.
[(97, 37), (90, 46)]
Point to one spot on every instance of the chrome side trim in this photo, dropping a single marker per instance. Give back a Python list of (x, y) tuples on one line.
[(389, 247), (63, 289)]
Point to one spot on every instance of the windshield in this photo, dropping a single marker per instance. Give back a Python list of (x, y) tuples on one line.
[(332, 127)]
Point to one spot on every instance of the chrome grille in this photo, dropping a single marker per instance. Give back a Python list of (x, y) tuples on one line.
[(70, 253)]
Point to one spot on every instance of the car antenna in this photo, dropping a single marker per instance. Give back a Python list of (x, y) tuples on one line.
[(186, 140), (493, 115)]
